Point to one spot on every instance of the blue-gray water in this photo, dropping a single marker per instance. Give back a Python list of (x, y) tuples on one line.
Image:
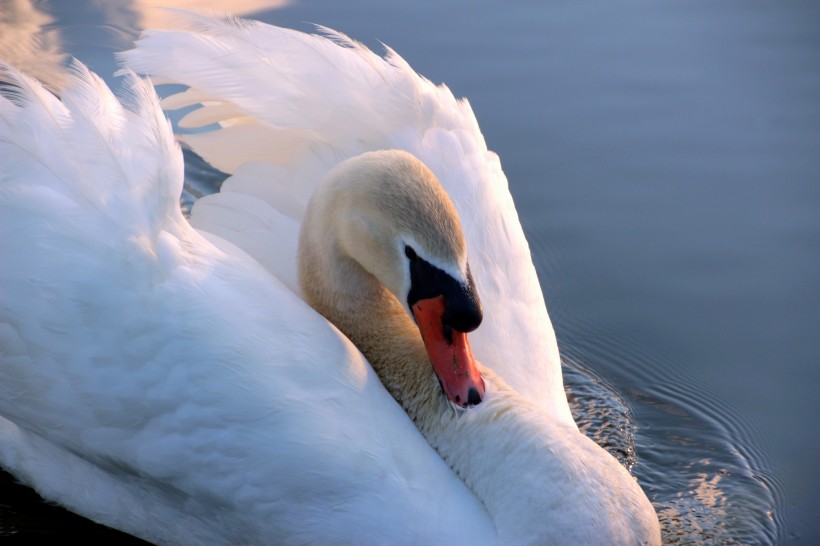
[(665, 161)]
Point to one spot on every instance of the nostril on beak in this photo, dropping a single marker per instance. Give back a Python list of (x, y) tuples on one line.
[(473, 397), (462, 317)]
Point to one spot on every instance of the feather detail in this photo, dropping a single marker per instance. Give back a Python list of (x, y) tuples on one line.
[(302, 104)]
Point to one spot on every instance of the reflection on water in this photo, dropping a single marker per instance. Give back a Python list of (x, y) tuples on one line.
[(34, 35), (28, 43), (152, 14), (688, 522)]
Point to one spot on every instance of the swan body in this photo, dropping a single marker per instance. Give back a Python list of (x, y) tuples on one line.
[(171, 381)]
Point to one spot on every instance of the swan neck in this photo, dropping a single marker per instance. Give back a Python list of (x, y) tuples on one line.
[(474, 443), (372, 318)]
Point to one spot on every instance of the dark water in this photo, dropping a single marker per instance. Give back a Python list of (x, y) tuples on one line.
[(665, 160)]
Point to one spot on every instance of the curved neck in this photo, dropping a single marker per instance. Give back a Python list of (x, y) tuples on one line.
[(481, 444), (371, 317)]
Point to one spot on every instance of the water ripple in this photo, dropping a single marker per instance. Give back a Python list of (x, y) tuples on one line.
[(703, 488)]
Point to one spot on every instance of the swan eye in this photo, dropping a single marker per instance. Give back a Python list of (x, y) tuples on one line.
[(410, 253)]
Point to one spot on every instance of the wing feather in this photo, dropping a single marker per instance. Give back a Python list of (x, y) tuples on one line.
[(303, 103)]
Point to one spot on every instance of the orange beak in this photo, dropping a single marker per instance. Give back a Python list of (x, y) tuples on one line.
[(450, 354)]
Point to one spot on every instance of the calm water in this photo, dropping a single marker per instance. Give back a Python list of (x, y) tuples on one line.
[(665, 159)]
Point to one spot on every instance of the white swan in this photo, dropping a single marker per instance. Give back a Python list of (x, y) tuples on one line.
[(159, 380)]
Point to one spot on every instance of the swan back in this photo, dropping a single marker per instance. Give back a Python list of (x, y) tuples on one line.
[(308, 102)]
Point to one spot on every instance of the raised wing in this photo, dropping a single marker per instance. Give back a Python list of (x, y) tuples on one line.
[(279, 108)]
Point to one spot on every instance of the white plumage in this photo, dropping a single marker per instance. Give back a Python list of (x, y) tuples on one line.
[(170, 382), (292, 106)]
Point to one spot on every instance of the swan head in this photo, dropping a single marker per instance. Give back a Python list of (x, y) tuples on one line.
[(386, 213)]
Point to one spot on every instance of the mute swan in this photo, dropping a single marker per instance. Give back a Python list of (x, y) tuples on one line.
[(170, 382)]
